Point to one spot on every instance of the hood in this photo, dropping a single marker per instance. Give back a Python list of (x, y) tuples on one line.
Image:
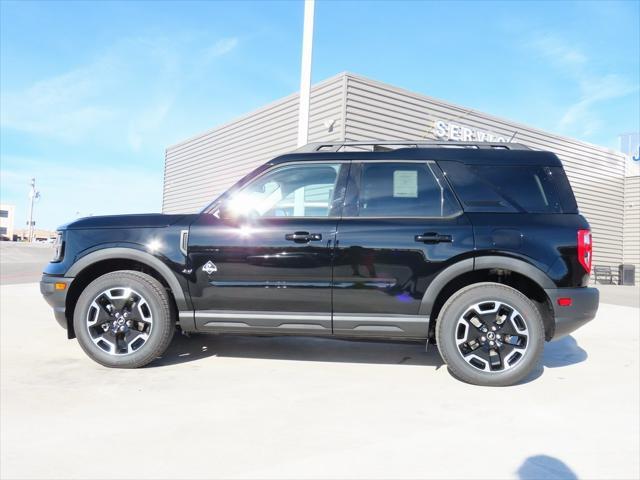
[(145, 220)]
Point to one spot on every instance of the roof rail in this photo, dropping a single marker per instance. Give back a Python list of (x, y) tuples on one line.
[(386, 145)]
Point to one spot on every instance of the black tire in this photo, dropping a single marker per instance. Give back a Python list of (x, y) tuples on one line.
[(160, 329), (449, 332)]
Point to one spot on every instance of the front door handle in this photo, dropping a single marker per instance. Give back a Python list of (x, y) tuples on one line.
[(303, 237), (432, 237)]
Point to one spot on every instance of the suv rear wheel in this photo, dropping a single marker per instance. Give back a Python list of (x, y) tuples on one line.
[(490, 334), (123, 319)]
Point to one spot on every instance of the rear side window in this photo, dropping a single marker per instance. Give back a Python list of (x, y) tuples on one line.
[(397, 189), (512, 188)]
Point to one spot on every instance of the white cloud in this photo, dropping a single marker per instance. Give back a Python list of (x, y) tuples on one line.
[(146, 122), (221, 47), (558, 51), (63, 107), (593, 91), (120, 98), (591, 87)]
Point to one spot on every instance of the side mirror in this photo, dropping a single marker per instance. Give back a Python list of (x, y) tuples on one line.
[(223, 212), (227, 213)]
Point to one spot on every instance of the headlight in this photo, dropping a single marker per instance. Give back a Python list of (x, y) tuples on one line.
[(58, 252)]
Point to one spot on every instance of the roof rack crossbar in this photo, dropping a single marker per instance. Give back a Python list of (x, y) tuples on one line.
[(337, 146)]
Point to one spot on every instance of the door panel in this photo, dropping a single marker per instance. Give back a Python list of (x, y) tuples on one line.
[(383, 265), (259, 272), (380, 268), (270, 268)]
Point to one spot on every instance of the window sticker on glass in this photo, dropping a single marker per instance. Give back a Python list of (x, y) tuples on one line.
[(405, 183)]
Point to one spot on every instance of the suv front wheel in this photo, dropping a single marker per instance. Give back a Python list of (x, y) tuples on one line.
[(490, 334), (123, 319)]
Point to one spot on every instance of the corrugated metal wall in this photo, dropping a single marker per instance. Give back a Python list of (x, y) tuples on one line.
[(631, 237), (199, 169), (376, 110)]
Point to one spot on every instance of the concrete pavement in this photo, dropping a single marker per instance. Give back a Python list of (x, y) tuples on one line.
[(249, 407), (628, 295)]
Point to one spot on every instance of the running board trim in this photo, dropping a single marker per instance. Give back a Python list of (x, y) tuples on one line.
[(364, 325), (371, 325)]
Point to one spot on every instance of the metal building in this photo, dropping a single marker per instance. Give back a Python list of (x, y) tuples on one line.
[(631, 231), (352, 108)]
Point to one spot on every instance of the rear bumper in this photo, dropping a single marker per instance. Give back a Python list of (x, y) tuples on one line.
[(583, 308), (56, 298)]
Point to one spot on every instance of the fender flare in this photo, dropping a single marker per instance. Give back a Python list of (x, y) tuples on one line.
[(140, 256), (441, 280), (481, 263), (515, 265)]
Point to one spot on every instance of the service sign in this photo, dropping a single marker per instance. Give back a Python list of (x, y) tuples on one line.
[(453, 131)]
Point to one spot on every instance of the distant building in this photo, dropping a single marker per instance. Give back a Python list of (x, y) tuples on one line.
[(630, 146), (39, 235), (7, 217)]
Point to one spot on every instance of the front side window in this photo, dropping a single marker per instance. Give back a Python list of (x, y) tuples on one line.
[(289, 191), (397, 189)]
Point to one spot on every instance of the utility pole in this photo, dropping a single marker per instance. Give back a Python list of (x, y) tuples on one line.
[(305, 73), (33, 195)]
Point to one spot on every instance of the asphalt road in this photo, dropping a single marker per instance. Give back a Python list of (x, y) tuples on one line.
[(245, 407), (23, 262)]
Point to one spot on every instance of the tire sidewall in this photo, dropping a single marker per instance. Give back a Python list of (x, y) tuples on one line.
[(162, 322), (447, 325)]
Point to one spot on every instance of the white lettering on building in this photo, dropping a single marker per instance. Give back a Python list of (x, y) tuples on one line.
[(454, 131)]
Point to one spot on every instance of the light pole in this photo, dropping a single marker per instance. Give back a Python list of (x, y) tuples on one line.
[(33, 196), (305, 73)]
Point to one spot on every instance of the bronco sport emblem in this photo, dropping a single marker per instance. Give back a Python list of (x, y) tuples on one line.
[(209, 267)]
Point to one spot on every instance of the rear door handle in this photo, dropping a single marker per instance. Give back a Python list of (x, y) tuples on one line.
[(303, 237), (432, 237)]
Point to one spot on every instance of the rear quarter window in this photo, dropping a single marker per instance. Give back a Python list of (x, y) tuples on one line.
[(511, 188)]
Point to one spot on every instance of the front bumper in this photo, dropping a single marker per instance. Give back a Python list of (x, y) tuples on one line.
[(57, 298), (583, 308)]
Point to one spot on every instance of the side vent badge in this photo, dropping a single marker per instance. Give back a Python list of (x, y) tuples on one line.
[(184, 241), (209, 267)]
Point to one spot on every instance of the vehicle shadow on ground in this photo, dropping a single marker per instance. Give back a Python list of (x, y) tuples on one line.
[(544, 466), (306, 349), (561, 353), (557, 354)]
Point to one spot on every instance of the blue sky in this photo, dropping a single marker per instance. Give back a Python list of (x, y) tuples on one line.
[(93, 92)]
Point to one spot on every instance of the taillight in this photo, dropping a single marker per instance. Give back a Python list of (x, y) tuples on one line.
[(585, 249)]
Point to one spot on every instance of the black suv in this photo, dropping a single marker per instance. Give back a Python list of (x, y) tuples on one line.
[(477, 247)]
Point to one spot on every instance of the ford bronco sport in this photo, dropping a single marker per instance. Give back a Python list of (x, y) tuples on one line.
[(476, 247)]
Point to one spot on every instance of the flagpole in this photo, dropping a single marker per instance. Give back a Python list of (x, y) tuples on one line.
[(305, 73)]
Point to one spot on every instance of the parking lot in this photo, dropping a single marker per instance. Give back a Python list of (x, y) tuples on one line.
[(246, 407)]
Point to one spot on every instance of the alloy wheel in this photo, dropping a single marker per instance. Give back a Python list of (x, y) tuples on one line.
[(492, 336), (119, 320)]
